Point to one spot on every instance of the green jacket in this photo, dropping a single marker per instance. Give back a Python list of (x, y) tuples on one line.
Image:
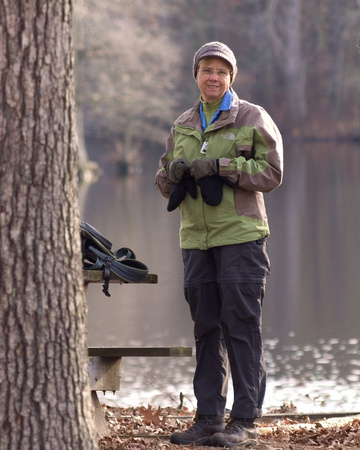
[(249, 148)]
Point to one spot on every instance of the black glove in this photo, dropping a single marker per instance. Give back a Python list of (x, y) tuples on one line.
[(212, 189), (177, 169), (204, 167), (178, 193)]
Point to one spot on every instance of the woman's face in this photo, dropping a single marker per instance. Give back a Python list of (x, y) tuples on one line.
[(213, 78)]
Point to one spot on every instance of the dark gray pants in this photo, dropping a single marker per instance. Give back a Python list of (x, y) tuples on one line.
[(224, 287)]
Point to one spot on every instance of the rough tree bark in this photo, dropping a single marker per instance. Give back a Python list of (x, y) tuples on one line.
[(44, 395)]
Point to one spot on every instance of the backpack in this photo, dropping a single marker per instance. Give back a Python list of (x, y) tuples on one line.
[(97, 255)]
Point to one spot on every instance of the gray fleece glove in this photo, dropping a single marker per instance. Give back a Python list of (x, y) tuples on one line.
[(177, 169), (204, 167)]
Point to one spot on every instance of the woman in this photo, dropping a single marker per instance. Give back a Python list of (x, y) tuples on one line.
[(225, 140)]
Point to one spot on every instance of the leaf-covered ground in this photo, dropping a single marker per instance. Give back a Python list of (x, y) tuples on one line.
[(150, 428)]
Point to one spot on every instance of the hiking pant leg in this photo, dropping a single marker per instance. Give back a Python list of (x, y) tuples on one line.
[(241, 324), (212, 367), (241, 272)]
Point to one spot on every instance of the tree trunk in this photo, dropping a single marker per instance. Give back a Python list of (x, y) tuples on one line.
[(337, 51), (87, 169), (294, 66), (44, 395)]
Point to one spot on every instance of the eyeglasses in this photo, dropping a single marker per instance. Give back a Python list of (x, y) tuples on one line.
[(220, 73)]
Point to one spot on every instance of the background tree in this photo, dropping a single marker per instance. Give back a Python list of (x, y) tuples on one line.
[(297, 58), (127, 73), (44, 395)]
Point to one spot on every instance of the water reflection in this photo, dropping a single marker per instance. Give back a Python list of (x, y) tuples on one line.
[(323, 377), (311, 310), (314, 244)]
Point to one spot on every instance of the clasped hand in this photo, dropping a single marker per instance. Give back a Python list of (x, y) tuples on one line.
[(177, 169), (204, 167)]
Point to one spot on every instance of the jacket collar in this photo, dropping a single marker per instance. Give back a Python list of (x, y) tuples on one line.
[(226, 104), (192, 119)]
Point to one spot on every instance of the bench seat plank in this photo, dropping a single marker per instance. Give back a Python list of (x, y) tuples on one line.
[(119, 352), (97, 276)]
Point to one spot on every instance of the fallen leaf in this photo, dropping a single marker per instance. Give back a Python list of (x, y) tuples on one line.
[(149, 417)]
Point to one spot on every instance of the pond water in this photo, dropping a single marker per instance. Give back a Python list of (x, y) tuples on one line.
[(312, 304)]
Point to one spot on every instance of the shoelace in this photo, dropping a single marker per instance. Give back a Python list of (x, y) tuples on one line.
[(198, 424), (234, 425)]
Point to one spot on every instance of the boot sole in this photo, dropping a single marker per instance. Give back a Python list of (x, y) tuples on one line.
[(219, 442)]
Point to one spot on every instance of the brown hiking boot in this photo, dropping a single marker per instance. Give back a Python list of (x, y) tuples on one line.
[(237, 434), (200, 432)]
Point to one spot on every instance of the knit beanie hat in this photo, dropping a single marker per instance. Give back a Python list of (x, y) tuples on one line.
[(213, 50)]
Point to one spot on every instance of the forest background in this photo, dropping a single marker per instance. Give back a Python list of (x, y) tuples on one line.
[(296, 58)]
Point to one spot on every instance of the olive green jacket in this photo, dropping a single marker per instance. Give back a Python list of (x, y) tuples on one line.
[(249, 148)]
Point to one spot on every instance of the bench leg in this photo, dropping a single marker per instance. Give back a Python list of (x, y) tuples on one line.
[(101, 427), (104, 375)]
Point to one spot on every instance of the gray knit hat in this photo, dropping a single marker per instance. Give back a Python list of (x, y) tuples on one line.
[(213, 50)]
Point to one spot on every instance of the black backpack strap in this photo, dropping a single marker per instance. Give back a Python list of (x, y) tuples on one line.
[(107, 272), (130, 270), (124, 253)]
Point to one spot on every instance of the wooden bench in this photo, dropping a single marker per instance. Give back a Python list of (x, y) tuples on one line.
[(105, 362)]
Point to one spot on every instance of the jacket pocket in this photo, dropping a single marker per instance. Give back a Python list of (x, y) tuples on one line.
[(250, 204), (247, 151)]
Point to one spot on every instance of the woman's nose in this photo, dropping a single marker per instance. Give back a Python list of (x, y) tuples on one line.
[(214, 75)]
